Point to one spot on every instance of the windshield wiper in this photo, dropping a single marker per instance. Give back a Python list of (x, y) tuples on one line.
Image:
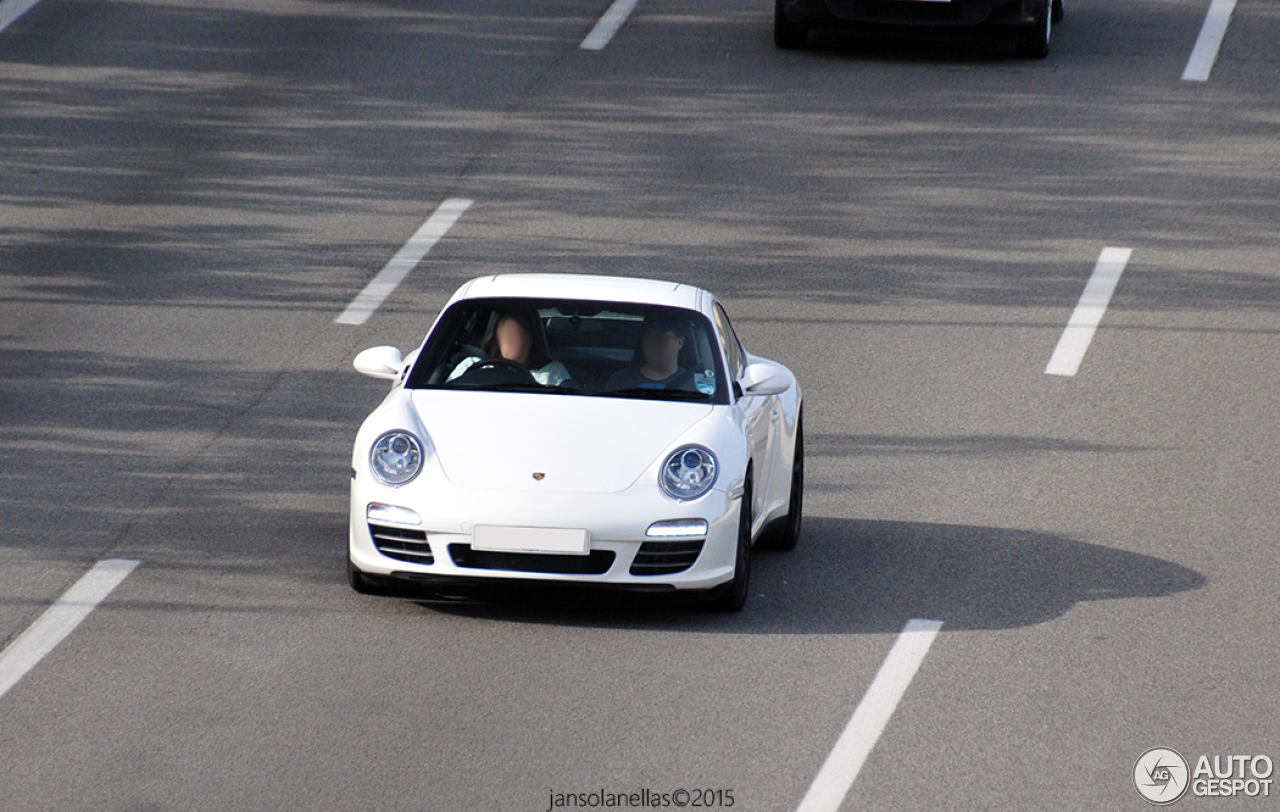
[(654, 394), (520, 387)]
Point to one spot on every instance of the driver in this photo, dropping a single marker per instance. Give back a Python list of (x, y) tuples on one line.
[(513, 339), (660, 346)]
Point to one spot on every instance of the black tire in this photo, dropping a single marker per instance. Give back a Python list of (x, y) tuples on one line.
[(1034, 43), (735, 595), (1058, 10), (785, 33), (790, 535)]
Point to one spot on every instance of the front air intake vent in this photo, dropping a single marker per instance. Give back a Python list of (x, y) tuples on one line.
[(666, 557), (597, 562), (402, 544)]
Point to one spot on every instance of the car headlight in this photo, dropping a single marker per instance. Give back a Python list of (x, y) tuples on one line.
[(689, 472), (396, 457)]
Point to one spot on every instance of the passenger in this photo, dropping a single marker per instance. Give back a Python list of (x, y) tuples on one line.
[(660, 346), (513, 339)]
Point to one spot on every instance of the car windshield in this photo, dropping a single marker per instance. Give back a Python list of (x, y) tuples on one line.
[(569, 347)]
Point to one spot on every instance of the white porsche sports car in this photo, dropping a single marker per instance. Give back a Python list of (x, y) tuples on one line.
[(583, 429)]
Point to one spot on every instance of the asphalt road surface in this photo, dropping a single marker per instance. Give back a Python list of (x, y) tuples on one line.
[(192, 192)]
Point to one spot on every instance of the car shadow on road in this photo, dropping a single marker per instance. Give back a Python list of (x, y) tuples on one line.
[(856, 576), (971, 50)]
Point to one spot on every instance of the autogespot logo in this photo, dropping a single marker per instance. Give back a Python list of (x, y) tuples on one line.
[(1161, 775)]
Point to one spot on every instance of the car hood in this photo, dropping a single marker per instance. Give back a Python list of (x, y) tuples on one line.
[(502, 440)]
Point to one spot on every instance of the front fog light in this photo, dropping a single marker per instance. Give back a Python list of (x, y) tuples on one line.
[(689, 472), (396, 457), (677, 529), (378, 512)]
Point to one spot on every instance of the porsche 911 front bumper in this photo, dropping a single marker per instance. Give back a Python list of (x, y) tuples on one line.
[(439, 548)]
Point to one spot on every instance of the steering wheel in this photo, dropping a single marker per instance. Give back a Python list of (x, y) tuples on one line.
[(501, 370)]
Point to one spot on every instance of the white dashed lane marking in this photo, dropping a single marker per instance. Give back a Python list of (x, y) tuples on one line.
[(1205, 53), (11, 10), (61, 619), (1084, 321), (609, 25), (405, 260), (869, 719)]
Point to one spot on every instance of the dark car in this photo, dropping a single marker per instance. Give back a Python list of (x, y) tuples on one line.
[(1026, 22)]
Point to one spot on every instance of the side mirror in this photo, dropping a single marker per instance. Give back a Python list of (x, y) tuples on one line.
[(764, 378), (380, 362)]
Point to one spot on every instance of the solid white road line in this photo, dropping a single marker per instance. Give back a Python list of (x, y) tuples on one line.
[(11, 10), (609, 25), (1084, 321), (1210, 40), (839, 771), (405, 260), (61, 619)]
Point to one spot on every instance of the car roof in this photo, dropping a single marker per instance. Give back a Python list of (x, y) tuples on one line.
[(582, 286)]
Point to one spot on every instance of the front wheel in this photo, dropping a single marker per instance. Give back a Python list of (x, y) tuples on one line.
[(785, 33), (1034, 44), (735, 595), (1058, 11)]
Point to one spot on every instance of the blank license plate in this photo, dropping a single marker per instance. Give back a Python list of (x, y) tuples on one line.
[(530, 540)]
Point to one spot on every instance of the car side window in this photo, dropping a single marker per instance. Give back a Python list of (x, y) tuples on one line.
[(732, 347)]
